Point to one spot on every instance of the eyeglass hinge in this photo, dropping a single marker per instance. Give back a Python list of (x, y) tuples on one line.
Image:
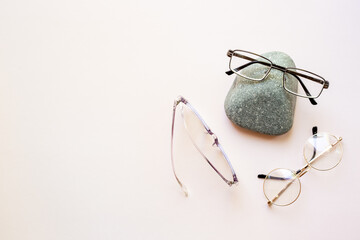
[(178, 100), (230, 53), (326, 84)]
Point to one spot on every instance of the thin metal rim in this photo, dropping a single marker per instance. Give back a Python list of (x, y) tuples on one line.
[(254, 79), (297, 94), (282, 205), (340, 145)]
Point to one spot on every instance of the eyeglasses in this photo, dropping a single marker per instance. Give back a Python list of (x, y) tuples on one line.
[(205, 141), (256, 67), (322, 151)]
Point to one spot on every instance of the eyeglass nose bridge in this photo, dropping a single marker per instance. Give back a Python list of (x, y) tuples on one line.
[(301, 172)]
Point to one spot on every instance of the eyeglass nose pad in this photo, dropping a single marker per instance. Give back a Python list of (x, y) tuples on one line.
[(216, 140)]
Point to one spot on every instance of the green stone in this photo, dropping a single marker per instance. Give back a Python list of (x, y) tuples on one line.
[(263, 106)]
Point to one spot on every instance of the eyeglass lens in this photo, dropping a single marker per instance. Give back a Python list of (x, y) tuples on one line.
[(249, 65), (205, 142), (282, 187), (323, 151), (311, 84)]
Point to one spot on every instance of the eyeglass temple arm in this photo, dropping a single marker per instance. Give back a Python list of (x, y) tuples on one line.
[(314, 132), (270, 202), (312, 101), (263, 176), (183, 187)]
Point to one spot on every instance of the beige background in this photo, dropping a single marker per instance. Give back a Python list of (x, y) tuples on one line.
[(86, 94)]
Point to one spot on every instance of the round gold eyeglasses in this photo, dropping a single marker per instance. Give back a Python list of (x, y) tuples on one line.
[(322, 152)]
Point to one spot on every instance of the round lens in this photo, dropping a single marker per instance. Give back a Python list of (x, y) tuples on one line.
[(205, 143), (281, 187), (323, 151)]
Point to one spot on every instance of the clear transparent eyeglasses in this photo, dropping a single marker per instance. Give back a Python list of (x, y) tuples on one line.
[(255, 67), (322, 152), (205, 142)]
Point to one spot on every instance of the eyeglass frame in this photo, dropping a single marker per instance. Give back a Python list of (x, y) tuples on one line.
[(299, 173), (325, 83), (177, 101)]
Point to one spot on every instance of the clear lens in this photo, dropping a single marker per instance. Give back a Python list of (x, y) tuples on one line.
[(205, 142), (310, 84), (282, 187), (323, 151), (250, 65)]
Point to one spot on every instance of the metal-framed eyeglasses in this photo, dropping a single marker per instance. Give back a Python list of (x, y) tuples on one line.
[(255, 67), (322, 152)]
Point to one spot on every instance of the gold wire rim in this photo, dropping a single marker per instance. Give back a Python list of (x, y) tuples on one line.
[(274, 202), (339, 144)]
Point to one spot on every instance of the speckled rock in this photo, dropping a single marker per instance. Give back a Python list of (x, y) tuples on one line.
[(263, 106)]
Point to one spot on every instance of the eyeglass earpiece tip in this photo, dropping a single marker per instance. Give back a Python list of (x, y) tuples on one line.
[(314, 130), (185, 191)]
